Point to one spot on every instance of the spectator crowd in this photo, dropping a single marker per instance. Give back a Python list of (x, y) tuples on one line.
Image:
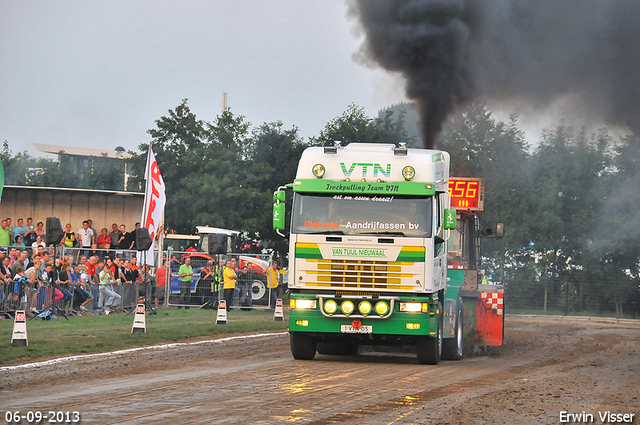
[(86, 270), (91, 270)]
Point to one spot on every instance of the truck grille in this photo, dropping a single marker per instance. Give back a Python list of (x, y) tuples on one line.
[(354, 274)]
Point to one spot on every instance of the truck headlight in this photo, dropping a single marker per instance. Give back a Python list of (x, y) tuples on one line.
[(382, 308), (364, 307), (318, 170), (414, 307), (304, 304), (330, 306), (408, 172), (347, 307)]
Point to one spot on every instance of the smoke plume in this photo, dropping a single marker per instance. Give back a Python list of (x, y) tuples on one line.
[(584, 52)]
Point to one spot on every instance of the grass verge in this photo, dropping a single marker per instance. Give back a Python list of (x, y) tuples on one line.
[(97, 334)]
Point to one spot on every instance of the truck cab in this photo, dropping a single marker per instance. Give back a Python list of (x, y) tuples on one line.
[(368, 257)]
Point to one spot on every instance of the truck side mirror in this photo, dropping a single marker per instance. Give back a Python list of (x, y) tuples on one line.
[(279, 196), (450, 219), (278, 209)]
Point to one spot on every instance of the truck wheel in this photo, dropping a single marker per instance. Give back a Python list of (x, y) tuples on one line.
[(303, 346), (452, 347), (429, 348), (337, 348)]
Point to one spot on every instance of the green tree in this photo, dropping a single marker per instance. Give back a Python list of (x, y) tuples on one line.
[(352, 126), (179, 141), (482, 147), (275, 156)]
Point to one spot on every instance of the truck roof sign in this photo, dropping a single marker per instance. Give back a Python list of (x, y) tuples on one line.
[(372, 168)]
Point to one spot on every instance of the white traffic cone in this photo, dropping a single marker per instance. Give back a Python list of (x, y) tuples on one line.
[(221, 318), (278, 315), (139, 320), (19, 337)]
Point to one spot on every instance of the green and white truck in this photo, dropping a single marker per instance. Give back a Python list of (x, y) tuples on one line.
[(368, 252)]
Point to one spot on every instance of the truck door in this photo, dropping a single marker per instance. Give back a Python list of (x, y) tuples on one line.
[(439, 247)]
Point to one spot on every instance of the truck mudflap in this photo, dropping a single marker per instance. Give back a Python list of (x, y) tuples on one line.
[(490, 317)]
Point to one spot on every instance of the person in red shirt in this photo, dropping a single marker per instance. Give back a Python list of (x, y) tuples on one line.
[(133, 264), (104, 240), (91, 270), (161, 283)]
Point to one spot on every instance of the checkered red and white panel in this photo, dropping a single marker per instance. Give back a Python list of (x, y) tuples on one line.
[(140, 308), (493, 300), (21, 317)]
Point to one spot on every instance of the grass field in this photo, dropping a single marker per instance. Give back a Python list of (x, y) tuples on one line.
[(517, 310), (95, 334)]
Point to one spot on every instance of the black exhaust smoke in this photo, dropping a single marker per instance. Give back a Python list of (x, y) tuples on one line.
[(585, 53)]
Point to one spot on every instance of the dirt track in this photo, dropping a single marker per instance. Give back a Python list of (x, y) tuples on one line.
[(546, 366)]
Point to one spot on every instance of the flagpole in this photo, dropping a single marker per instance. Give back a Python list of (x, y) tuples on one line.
[(160, 262), (147, 176), (147, 171)]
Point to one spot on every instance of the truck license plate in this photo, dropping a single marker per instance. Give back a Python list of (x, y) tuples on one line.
[(349, 329)]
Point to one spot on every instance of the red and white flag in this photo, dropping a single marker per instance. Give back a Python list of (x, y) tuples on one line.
[(154, 200)]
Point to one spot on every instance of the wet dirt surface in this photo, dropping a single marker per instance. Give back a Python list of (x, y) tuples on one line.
[(546, 366)]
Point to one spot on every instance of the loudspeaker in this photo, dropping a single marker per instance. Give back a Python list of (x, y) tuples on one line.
[(217, 244), (54, 230), (143, 239)]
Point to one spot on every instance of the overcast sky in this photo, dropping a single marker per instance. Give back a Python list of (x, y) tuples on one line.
[(99, 73)]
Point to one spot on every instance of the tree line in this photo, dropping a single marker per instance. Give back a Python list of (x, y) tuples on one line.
[(569, 202), (571, 209)]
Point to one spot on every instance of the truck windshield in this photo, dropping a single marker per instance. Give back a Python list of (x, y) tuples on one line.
[(362, 215)]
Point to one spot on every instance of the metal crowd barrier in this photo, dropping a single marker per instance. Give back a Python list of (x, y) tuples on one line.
[(40, 298), (251, 292)]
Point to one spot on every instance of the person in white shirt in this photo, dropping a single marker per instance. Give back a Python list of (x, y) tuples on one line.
[(85, 236), (37, 243)]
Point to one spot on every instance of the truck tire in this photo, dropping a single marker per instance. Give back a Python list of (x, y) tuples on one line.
[(303, 346), (429, 348), (337, 348), (452, 347)]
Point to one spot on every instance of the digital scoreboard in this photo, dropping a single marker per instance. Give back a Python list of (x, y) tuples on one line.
[(466, 193)]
